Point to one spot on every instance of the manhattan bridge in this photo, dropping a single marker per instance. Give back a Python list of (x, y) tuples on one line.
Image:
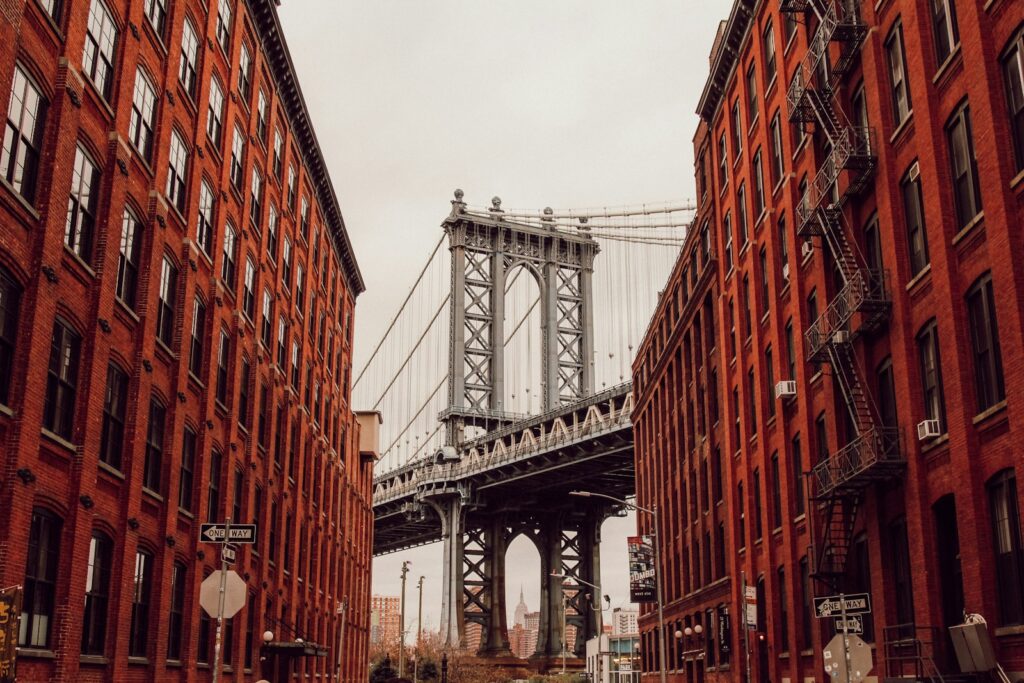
[(504, 384)]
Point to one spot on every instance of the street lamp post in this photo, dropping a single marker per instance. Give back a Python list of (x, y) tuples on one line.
[(419, 634), (597, 608), (401, 625), (653, 512)]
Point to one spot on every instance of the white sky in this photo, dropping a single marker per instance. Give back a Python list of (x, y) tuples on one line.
[(563, 103)]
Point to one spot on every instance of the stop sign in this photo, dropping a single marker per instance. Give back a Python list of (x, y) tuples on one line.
[(234, 594), (835, 659)]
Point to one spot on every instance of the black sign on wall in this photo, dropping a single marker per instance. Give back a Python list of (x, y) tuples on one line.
[(10, 611), (642, 587)]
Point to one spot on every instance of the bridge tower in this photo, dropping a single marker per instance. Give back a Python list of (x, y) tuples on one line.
[(485, 248)]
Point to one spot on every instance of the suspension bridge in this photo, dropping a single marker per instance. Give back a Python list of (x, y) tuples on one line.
[(504, 383)]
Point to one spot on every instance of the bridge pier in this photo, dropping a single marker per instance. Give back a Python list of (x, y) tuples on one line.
[(450, 510)]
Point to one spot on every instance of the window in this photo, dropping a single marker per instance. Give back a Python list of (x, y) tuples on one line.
[(176, 613), (153, 467), (899, 556), (758, 184), (789, 27), (204, 226), (873, 252), (947, 34), (203, 649), (887, 394), (966, 191), (291, 188), (142, 589), (282, 342), (23, 135), (168, 302), (752, 95), (300, 276), (82, 205), (304, 225), (723, 162), (776, 151), (917, 237), (752, 404), (727, 221), (249, 289), (796, 460), (156, 12), (272, 236), (224, 25), (266, 327), (215, 113), (143, 118), (770, 380), (245, 73), (98, 55), (748, 323), (931, 374), (177, 166), (236, 506), (988, 362), (256, 199), (128, 259), (742, 504), (790, 350), (186, 477), (859, 108), (741, 215), (261, 121), (189, 58), (286, 262), (737, 129), (296, 371), (783, 610), (10, 301), (806, 600), (40, 587), (237, 158), (901, 104), (223, 357), (243, 396), (61, 381), (114, 403), (1007, 545), (213, 497), (821, 437), (263, 425), (1013, 77), (97, 594), (53, 8), (278, 153), (227, 266)]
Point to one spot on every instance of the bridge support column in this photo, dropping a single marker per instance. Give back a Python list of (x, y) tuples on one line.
[(494, 641), (450, 510)]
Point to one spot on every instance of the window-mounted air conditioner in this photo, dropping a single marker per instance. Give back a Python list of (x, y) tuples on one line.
[(914, 172), (785, 271), (840, 337), (807, 249), (927, 430), (785, 388)]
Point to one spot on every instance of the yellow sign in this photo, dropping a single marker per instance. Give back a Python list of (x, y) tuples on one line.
[(10, 612)]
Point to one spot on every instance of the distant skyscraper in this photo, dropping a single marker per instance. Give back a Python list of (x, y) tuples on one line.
[(384, 618), (521, 609), (624, 621)]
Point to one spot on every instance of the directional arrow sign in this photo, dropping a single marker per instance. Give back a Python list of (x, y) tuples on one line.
[(240, 533), (832, 606), (234, 594), (854, 624)]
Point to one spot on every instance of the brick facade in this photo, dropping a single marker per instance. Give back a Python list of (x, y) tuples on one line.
[(280, 449), (924, 532)]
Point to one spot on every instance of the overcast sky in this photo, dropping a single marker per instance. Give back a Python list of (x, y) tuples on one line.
[(557, 103)]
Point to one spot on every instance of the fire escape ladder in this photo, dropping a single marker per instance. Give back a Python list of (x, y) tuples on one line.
[(837, 538), (845, 373)]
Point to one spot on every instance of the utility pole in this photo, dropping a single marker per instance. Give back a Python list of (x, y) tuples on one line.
[(419, 633), (220, 605), (401, 624)]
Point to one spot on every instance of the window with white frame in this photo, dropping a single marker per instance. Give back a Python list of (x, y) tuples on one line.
[(227, 266), (156, 12), (100, 41), (23, 135), (901, 102), (224, 25), (245, 73), (215, 114), (189, 58), (237, 158), (143, 118), (82, 205), (204, 224), (177, 166)]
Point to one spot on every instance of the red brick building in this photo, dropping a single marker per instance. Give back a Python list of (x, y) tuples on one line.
[(176, 298), (860, 168)]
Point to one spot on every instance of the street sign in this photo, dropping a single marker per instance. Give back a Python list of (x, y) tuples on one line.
[(854, 624), (235, 594), (750, 598), (228, 553), (835, 659), (832, 606), (240, 533)]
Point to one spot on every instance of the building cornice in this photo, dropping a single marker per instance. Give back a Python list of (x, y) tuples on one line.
[(268, 27), (723, 62)]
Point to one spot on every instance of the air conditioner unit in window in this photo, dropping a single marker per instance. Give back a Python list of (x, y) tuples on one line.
[(785, 389), (927, 430), (785, 271), (807, 249), (840, 337), (914, 173)]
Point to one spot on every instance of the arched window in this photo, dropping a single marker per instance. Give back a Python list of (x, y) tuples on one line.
[(1007, 546), (40, 587), (142, 589), (10, 302), (97, 594)]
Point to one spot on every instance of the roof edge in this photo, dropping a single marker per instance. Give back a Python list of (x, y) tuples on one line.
[(725, 57)]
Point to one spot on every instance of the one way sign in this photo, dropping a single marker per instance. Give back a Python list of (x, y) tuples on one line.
[(240, 533), (835, 605)]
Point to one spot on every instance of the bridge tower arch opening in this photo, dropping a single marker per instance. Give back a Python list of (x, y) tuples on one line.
[(523, 367)]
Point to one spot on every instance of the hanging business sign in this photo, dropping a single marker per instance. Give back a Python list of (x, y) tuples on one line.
[(10, 613), (642, 587)]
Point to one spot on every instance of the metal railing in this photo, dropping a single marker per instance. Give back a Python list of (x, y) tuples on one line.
[(850, 144), (859, 461), (859, 293), (817, 49)]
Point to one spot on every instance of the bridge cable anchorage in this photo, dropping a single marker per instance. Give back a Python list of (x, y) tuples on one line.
[(401, 308)]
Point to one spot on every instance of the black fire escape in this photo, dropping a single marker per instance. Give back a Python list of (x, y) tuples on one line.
[(862, 303)]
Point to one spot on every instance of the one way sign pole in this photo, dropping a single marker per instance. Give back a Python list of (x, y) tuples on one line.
[(220, 605)]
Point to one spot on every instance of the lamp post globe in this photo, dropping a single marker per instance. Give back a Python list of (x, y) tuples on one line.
[(268, 636), (688, 631), (698, 629)]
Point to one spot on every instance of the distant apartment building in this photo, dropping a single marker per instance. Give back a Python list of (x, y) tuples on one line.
[(623, 621), (385, 619)]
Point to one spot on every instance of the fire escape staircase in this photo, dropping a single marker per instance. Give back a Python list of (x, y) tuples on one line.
[(862, 304)]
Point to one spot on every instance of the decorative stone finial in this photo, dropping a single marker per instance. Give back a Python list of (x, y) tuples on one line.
[(549, 215), (495, 203), (459, 194), (458, 206)]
